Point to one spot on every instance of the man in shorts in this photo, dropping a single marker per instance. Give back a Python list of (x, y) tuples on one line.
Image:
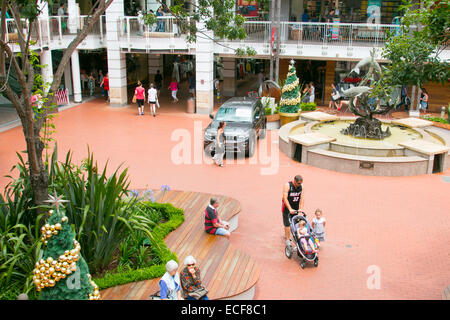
[(292, 201), (213, 225)]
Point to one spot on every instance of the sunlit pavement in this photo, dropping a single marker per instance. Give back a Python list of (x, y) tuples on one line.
[(399, 226)]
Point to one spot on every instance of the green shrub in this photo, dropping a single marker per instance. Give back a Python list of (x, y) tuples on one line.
[(100, 210), (19, 236), (435, 119), (308, 106), (158, 248), (277, 110), (268, 111)]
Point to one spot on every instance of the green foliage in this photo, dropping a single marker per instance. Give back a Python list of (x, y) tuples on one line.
[(277, 110), (19, 236), (218, 16), (99, 208), (414, 49), (159, 251), (308, 106), (268, 111), (435, 119)]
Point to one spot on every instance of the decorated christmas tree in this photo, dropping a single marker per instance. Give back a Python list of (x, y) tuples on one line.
[(62, 273), (290, 93)]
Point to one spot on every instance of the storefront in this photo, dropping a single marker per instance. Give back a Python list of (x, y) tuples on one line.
[(347, 11)]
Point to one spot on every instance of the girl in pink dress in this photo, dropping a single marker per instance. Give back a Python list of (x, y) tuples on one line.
[(174, 87)]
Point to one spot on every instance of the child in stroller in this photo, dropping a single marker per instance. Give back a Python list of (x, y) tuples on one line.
[(302, 234), (306, 235)]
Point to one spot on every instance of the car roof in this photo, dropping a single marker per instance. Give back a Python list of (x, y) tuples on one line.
[(242, 102)]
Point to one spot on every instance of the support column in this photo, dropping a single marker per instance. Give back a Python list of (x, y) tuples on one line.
[(229, 77), (73, 11), (68, 78), (76, 76), (46, 55), (47, 70), (116, 59), (204, 66)]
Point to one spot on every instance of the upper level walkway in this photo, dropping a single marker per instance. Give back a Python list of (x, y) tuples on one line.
[(309, 40)]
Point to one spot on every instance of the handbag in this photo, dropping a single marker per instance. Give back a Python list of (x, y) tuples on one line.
[(134, 99), (198, 293)]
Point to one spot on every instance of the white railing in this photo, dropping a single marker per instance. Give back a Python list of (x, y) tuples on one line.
[(53, 28), (130, 27), (346, 34)]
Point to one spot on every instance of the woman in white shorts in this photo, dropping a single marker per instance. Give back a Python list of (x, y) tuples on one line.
[(152, 99)]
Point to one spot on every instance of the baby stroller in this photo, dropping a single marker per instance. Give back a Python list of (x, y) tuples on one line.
[(304, 257)]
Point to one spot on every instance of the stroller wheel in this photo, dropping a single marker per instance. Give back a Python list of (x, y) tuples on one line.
[(288, 252), (302, 265), (316, 262)]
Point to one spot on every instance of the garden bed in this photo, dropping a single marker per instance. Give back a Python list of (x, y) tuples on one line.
[(158, 250)]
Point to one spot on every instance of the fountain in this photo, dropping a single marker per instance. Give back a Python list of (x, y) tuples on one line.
[(364, 144)]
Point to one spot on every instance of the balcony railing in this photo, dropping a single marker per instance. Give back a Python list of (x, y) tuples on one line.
[(344, 34), (54, 28), (132, 27)]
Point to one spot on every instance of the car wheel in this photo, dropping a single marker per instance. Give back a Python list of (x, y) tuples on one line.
[(251, 146)]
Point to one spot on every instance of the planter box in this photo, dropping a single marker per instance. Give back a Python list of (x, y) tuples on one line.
[(273, 122), (288, 117), (441, 125), (273, 117)]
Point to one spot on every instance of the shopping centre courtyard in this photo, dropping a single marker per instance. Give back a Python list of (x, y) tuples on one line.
[(394, 228)]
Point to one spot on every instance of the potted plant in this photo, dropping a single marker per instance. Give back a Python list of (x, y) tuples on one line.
[(290, 97)]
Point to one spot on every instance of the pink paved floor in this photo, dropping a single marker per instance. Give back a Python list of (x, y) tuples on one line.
[(401, 225)]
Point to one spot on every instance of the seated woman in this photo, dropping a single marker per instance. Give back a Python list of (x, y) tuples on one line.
[(191, 281), (169, 284), (302, 234)]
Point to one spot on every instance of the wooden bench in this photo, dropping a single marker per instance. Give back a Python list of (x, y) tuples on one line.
[(226, 272)]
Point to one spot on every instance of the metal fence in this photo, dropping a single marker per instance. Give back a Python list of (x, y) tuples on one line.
[(345, 34)]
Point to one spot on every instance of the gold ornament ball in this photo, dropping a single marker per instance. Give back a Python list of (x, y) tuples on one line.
[(58, 226), (66, 253), (64, 219)]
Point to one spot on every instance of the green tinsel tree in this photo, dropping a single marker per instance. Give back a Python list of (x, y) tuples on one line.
[(62, 273), (290, 93)]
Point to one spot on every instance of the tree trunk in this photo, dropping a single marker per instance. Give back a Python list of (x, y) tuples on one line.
[(413, 98)]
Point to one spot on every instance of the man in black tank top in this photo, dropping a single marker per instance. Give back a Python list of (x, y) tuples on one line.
[(292, 201)]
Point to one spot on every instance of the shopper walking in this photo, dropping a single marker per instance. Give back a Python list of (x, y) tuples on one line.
[(152, 99), (105, 85), (174, 88), (139, 93), (91, 84), (219, 146)]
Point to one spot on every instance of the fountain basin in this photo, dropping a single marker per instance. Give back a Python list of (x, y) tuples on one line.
[(316, 140)]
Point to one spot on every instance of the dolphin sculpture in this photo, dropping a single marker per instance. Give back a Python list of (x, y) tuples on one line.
[(356, 91)]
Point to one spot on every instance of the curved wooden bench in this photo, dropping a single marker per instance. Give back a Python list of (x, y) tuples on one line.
[(227, 272)]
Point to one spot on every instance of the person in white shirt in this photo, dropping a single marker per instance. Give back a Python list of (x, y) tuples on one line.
[(152, 99), (318, 225)]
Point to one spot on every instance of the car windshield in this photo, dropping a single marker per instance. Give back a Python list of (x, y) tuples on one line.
[(236, 114)]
